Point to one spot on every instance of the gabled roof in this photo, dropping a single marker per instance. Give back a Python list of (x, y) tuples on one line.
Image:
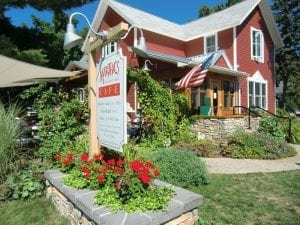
[(227, 18)]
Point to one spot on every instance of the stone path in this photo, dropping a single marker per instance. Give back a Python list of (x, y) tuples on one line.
[(242, 166)]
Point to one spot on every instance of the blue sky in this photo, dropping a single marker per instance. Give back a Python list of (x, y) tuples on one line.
[(179, 11)]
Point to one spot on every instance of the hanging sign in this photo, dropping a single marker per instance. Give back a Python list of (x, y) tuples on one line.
[(111, 101)]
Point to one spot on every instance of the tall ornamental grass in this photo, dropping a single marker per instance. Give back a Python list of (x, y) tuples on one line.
[(9, 133)]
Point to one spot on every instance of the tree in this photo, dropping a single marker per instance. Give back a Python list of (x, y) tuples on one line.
[(287, 16), (36, 44), (205, 10)]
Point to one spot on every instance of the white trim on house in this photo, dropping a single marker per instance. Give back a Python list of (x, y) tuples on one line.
[(234, 49)]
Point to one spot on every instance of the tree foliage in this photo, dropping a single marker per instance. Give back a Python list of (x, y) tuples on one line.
[(205, 10), (36, 44), (287, 16)]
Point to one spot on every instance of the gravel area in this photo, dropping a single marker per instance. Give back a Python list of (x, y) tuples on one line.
[(242, 166)]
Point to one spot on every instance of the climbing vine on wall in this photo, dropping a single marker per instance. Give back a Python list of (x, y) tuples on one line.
[(166, 110)]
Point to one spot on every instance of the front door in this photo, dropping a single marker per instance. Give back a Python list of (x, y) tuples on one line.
[(216, 98)]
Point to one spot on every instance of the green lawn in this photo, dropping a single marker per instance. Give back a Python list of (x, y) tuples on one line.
[(38, 211), (252, 199)]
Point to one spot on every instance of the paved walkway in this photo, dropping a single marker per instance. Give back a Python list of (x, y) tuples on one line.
[(241, 166)]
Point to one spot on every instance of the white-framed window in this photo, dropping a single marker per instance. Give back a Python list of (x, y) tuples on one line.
[(257, 91), (109, 49), (257, 45), (210, 43)]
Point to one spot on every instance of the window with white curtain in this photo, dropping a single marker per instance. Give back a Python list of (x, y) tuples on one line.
[(257, 45), (210, 43)]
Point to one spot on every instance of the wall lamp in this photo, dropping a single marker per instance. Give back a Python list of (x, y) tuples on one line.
[(140, 48), (146, 68), (72, 39)]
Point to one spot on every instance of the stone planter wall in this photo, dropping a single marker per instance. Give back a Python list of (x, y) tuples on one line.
[(77, 205), (219, 128)]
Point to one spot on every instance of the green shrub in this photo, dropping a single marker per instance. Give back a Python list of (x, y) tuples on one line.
[(270, 125), (180, 168), (10, 132), (62, 119), (257, 145), (27, 182), (295, 131), (203, 148)]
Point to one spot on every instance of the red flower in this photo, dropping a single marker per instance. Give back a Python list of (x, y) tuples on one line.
[(84, 157), (111, 162), (57, 157), (149, 164), (103, 171), (118, 170), (98, 157), (84, 169), (156, 172), (101, 179), (69, 159), (120, 162), (145, 179), (135, 165), (91, 161)]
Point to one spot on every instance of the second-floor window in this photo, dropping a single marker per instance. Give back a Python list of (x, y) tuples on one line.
[(257, 45), (210, 43), (109, 48)]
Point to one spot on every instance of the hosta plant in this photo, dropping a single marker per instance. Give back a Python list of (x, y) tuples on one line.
[(122, 184)]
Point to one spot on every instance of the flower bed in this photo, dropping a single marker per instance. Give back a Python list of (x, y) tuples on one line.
[(122, 184), (79, 207)]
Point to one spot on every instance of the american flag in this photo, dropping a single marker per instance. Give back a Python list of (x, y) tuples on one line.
[(195, 76)]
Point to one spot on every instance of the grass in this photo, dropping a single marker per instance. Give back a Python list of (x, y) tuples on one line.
[(252, 199), (30, 212)]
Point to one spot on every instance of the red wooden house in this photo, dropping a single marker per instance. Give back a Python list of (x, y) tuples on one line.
[(226, 57)]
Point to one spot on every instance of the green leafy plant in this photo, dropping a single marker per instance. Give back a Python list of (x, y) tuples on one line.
[(257, 145), (163, 109), (62, 119), (270, 125), (180, 168), (8, 138), (122, 183), (27, 182), (203, 148)]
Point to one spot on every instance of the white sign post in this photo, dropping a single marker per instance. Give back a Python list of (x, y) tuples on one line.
[(111, 101)]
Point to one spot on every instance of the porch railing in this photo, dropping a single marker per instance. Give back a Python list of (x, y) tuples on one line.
[(260, 112)]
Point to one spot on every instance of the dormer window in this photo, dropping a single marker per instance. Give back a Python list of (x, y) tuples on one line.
[(109, 49), (210, 43), (257, 45)]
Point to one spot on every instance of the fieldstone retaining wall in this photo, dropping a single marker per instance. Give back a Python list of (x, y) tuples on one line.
[(220, 127), (78, 207)]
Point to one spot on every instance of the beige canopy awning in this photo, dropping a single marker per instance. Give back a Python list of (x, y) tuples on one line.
[(17, 73)]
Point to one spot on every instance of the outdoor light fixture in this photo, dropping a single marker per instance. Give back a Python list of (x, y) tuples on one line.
[(146, 68), (140, 48), (72, 39)]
